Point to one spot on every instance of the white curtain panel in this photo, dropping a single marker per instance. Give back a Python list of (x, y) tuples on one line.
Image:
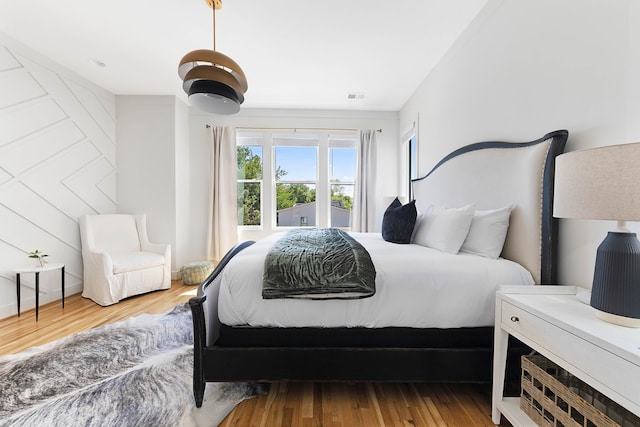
[(223, 220), (364, 197)]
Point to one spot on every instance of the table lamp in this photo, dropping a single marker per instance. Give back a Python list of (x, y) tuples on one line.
[(604, 183)]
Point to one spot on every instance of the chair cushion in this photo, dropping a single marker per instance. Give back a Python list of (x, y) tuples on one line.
[(132, 261)]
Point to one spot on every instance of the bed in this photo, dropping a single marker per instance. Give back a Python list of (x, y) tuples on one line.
[(240, 336)]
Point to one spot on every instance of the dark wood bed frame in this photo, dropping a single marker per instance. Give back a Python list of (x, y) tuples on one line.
[(226, 353)]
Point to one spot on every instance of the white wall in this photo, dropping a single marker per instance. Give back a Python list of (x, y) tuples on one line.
[(153, 169), (527, 67), (147, 152), (183, 187), (633, 88), (57, 162)]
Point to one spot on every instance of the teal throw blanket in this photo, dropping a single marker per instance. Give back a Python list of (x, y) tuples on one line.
[(318, 263)]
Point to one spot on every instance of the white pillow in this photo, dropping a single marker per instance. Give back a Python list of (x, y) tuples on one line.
[(443, 229), (487, 232)]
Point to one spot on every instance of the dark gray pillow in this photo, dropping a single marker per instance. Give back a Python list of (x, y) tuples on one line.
[(398, 222)]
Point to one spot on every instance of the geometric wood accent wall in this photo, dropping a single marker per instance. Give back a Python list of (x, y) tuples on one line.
[(57, 162)]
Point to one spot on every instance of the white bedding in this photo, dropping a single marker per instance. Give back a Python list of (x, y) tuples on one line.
[(416, 287)]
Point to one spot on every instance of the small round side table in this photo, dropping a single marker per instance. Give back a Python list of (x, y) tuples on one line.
[(37, 271)]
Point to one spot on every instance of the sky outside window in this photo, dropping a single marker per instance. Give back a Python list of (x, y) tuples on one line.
[(299, 162)]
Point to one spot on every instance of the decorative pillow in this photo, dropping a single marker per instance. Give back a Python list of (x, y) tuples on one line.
[(488, 232), (398, 221), (443, 229)]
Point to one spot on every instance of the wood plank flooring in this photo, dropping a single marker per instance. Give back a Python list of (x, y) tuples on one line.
[(287, 404), (79, 314), (366, 404)]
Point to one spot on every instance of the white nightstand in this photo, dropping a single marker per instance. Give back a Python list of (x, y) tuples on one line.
[(552, 321)]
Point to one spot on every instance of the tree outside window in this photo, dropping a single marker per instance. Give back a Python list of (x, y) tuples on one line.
[(249, 185)]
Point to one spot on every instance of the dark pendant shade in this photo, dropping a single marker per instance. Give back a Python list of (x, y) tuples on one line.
[(214, 82), (214, 97), (616, 279)]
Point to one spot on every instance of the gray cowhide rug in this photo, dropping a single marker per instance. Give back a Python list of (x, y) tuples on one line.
[(133, 373)]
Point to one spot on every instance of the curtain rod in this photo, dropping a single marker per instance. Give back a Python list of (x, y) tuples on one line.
[(295, 129)]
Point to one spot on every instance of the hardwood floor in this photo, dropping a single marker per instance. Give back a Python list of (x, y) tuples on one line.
[(287, 404), (366, 404), (79, 314)]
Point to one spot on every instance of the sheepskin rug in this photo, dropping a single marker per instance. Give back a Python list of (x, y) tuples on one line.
[(137, 372)]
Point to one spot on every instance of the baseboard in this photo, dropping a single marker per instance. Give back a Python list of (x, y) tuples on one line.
[(28, 300)]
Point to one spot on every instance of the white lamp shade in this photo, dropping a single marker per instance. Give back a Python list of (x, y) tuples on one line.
[(214, 103), (600, 183)]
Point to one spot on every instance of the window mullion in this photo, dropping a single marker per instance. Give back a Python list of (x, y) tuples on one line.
[(323, 204), (268, 185)]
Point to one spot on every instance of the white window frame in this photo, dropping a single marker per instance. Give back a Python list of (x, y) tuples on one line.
[(322, 138), (339, 141), (258, 142), (295, 140), (409, 166)]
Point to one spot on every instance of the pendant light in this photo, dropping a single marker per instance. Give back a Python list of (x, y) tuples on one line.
[(213, 82)]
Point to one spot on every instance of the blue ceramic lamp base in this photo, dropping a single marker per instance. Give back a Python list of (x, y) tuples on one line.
[(616, 281)]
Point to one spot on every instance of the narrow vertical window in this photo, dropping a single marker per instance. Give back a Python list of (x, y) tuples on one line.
[(342, 172), (250, 185), (413, 163)]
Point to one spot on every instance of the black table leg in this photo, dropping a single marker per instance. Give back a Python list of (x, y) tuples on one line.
[(37, 292), (18, 291), (63, 286)]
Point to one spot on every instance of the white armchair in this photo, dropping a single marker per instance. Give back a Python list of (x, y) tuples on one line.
[(119, 261)]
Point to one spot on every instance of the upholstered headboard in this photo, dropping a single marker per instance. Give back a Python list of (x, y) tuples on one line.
[(496, 174)]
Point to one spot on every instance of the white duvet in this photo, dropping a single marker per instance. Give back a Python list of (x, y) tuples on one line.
[(416, 287)]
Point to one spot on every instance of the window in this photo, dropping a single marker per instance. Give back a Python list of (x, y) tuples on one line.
[(293, 179), (342, 175), (250, 185), (296, 176), (413, 163), (413, 158)]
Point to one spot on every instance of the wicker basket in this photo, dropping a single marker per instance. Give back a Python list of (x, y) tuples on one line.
[(551, 396), (194, 273)]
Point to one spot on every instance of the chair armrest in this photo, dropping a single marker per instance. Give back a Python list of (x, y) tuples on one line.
[(145, 244), (99, 263), (157, 248)]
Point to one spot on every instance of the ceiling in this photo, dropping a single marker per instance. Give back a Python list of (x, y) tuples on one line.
[(295, 53)]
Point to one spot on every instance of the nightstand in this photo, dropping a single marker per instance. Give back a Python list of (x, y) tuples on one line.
[(555, 323)]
